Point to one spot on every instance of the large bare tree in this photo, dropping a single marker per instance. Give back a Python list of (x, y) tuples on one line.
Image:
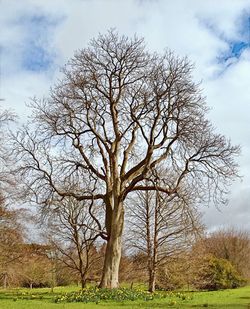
[(117, 114)]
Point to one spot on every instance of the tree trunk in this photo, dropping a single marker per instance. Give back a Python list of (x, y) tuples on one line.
[(150, 262), (152, 275), (5, 277), (83, 282), (110, 276), (151, 286)]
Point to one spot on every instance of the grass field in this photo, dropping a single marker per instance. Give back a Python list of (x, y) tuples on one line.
[(43, 299)]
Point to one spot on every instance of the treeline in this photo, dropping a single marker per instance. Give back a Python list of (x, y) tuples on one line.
[(70, 254)]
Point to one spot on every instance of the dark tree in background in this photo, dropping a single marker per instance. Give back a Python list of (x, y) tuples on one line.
[(118, 113)]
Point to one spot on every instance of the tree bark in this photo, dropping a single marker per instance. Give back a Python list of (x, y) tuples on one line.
[(83, 281), (152, 277), (110, 276), (151, 286), (5, 278)]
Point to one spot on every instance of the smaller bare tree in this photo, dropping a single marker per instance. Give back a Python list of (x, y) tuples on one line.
[(6, 179), (11, 239), (160, 227), (73, 230)]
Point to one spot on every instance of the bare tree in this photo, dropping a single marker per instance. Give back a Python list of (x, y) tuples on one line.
[(72, 231), (116, 115), (160, 228), (11, 239), (6, 179)]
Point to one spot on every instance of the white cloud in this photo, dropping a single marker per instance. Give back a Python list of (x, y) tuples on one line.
[(201, 30)]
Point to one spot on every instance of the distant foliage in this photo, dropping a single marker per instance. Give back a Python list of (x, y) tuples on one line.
[(232, 245), (217, 274), (172, 276)]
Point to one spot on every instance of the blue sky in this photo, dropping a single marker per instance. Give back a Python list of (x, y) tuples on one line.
[(238, 45), (36, 54), (33, 50), (38, 37)]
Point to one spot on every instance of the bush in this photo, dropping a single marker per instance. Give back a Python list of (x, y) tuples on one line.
[(172, 276), (169, 282), (216, 274)]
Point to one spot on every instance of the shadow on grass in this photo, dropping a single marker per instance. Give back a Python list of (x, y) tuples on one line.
[(6, 295), (18, 295), (185, 305), (150, 305), (232, 306)]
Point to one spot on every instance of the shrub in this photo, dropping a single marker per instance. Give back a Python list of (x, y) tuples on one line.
[(172, 276), (216, 274)]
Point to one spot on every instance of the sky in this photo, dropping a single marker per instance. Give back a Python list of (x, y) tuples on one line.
[(37, 37)]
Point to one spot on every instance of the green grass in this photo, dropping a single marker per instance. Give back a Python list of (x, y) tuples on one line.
[(43, 299)]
